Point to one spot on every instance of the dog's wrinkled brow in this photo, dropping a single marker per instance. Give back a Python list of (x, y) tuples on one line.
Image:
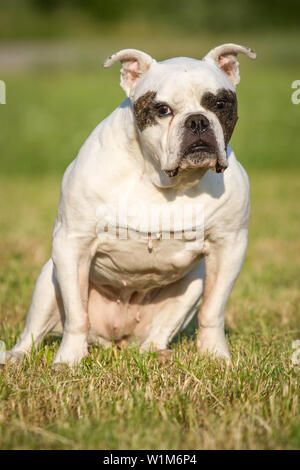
[(145, 110)]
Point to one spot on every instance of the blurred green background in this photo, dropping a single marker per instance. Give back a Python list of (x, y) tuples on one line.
[(56, 93), (51, 52)]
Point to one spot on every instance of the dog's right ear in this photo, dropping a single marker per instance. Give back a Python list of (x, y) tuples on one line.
[(135, 64), (225, 57)]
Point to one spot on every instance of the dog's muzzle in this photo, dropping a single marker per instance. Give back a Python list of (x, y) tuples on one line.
[(199, 147)]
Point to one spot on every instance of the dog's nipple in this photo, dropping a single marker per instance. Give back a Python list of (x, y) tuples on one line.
[(137, 317)]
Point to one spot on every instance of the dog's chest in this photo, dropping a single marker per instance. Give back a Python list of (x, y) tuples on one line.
[(143, 263), (148, 244)]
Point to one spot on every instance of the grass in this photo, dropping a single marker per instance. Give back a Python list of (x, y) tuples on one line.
[(122, 399)]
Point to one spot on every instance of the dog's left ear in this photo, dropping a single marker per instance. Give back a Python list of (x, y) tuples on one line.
[(225, 57), (135, 64)]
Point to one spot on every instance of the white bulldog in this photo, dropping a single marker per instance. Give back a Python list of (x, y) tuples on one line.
[(167, 146)]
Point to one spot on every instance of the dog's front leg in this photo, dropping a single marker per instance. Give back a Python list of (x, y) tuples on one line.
[(223, 263), (72, 256)]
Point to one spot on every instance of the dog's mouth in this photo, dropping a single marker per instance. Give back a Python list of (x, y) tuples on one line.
[(198, 147), (197, 155), (172, 173)]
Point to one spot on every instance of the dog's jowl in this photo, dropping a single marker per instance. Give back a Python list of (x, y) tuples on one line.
[(151, 227)]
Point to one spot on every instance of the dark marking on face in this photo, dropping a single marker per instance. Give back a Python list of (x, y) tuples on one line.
[(224, 105), (145, 110)]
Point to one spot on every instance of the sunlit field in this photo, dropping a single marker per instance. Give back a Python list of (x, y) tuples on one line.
[(123, 399)]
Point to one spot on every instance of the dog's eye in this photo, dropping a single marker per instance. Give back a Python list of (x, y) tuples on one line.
[(220, 104), (164, 110)]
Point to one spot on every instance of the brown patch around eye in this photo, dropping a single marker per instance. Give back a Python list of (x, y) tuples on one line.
[(145, 110), (227, 115)]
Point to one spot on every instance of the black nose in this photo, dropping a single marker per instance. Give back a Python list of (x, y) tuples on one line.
[(197, 123)]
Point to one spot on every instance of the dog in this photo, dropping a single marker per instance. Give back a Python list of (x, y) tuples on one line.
[(166, 145)]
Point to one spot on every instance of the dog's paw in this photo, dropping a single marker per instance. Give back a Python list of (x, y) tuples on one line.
[(71, 352), (12, 357), (165, 355), (213, 342), (63, 359), (59, 366)]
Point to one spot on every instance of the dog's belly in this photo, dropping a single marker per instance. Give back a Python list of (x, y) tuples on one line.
[(125, 277)]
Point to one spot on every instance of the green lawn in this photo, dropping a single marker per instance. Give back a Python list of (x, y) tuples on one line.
[(121, 399)]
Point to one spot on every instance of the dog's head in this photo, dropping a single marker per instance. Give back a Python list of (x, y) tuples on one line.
[(185, 109)]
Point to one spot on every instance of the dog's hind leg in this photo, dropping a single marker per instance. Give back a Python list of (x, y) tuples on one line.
[(45, 313), (171, 310)]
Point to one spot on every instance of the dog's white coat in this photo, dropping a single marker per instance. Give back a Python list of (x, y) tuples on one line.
[(120, 290)]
